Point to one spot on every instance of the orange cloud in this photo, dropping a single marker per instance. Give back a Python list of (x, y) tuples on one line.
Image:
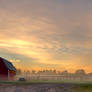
[(60, 34)]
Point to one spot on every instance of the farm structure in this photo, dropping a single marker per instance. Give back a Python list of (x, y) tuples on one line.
[(7, 70)]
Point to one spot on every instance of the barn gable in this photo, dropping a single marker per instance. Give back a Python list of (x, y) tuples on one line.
[(8, 64)]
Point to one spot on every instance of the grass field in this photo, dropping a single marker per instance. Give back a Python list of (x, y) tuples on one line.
[(44, 86), (87, 87), (45, 81)]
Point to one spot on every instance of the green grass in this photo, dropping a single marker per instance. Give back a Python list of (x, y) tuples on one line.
[(79, 87), (43, 81), (86, 87)]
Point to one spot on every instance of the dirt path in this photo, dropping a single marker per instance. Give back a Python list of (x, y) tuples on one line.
[(37, 88)]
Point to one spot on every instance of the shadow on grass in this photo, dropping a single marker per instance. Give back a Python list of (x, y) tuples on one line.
[(86, 87)]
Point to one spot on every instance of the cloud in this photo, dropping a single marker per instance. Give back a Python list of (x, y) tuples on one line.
[(46, 31)]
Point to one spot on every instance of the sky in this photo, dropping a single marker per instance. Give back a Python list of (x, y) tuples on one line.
[(47, 34)]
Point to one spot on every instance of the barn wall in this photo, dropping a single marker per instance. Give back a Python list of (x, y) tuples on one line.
[(3, 71)]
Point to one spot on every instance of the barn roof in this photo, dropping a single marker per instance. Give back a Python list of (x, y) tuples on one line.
[(8, 64)]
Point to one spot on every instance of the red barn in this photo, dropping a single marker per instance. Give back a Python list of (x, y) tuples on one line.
[(7, 70)]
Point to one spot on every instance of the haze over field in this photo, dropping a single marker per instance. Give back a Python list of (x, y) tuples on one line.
[(47, 34)]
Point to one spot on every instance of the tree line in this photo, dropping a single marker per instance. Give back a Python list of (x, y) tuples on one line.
[(53, 72)]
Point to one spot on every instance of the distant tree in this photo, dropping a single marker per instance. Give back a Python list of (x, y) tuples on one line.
[(18, 72), (27, 72), (54, 71), (64, 72), (90, 74), (24, 72), (80, 72), (44, 71), (33, 71)]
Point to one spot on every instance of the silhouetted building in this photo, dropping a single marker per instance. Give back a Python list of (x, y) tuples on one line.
[(7, 70)]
